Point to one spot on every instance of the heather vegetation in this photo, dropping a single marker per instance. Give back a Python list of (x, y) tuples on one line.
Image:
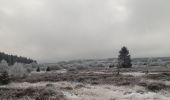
[(92, 79)]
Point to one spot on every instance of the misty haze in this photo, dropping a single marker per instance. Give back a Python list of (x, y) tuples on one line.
[(84, 50)]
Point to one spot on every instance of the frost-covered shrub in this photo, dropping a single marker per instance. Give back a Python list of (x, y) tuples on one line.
[(55, 67), (18, 70), (28, 67), (43, 67), (34, 65), (100, 65), (3, 66)]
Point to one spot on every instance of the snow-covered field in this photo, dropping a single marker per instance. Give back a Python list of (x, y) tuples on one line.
[(98, 92)]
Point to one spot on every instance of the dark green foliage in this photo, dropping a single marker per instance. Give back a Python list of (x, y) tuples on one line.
[(48, 69), (124, 59), (4, 78), (11, 59), (38, 69)]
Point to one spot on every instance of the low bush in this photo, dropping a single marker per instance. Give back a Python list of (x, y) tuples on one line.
[(30, 91), (144, 84), (50, 94), (4, 78), (94, 82), (81, 67), (78, 86), (156, 86), (49, 85), (72, 69), (56, 67), (67, 88), (124, 83)]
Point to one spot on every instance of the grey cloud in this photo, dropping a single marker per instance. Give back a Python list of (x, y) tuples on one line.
[(54, 30)]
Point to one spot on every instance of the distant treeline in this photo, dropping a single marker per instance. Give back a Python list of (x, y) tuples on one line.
[(11, 59)]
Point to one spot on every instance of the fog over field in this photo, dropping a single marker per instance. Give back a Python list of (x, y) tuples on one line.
[(56, 30)]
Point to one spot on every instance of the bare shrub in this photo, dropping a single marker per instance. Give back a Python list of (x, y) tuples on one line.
[(81, 67), (49, 85), (95, 82), (50, 94), (67, 88), (144, 84), (125, 82), (78, 86), (72, 69), (30, 91)]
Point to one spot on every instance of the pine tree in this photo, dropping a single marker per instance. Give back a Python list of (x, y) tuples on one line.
[(124, 59), (4, 78), (48, 69), (38, 69)]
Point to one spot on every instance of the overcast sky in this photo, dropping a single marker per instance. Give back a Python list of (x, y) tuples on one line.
[(55, 30)]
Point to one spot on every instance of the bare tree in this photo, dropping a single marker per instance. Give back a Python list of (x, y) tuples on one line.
[(149, 62)]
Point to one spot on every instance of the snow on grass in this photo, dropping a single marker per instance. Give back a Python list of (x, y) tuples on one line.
[(38, 84), (24, 85), (134, 73), (71, 96), (137, 73), (54, 71), (99, 92), (155, 81), (118, 93)]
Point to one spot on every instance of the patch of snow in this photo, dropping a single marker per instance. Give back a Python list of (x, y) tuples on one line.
[(71, 96), (134, 73)]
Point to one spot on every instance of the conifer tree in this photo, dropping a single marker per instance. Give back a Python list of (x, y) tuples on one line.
[(38, 69), (124, 59), (4, 78), (48, 69)]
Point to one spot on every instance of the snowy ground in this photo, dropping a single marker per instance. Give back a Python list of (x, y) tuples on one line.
[(98, 92), (54, 72), (134, 73)]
